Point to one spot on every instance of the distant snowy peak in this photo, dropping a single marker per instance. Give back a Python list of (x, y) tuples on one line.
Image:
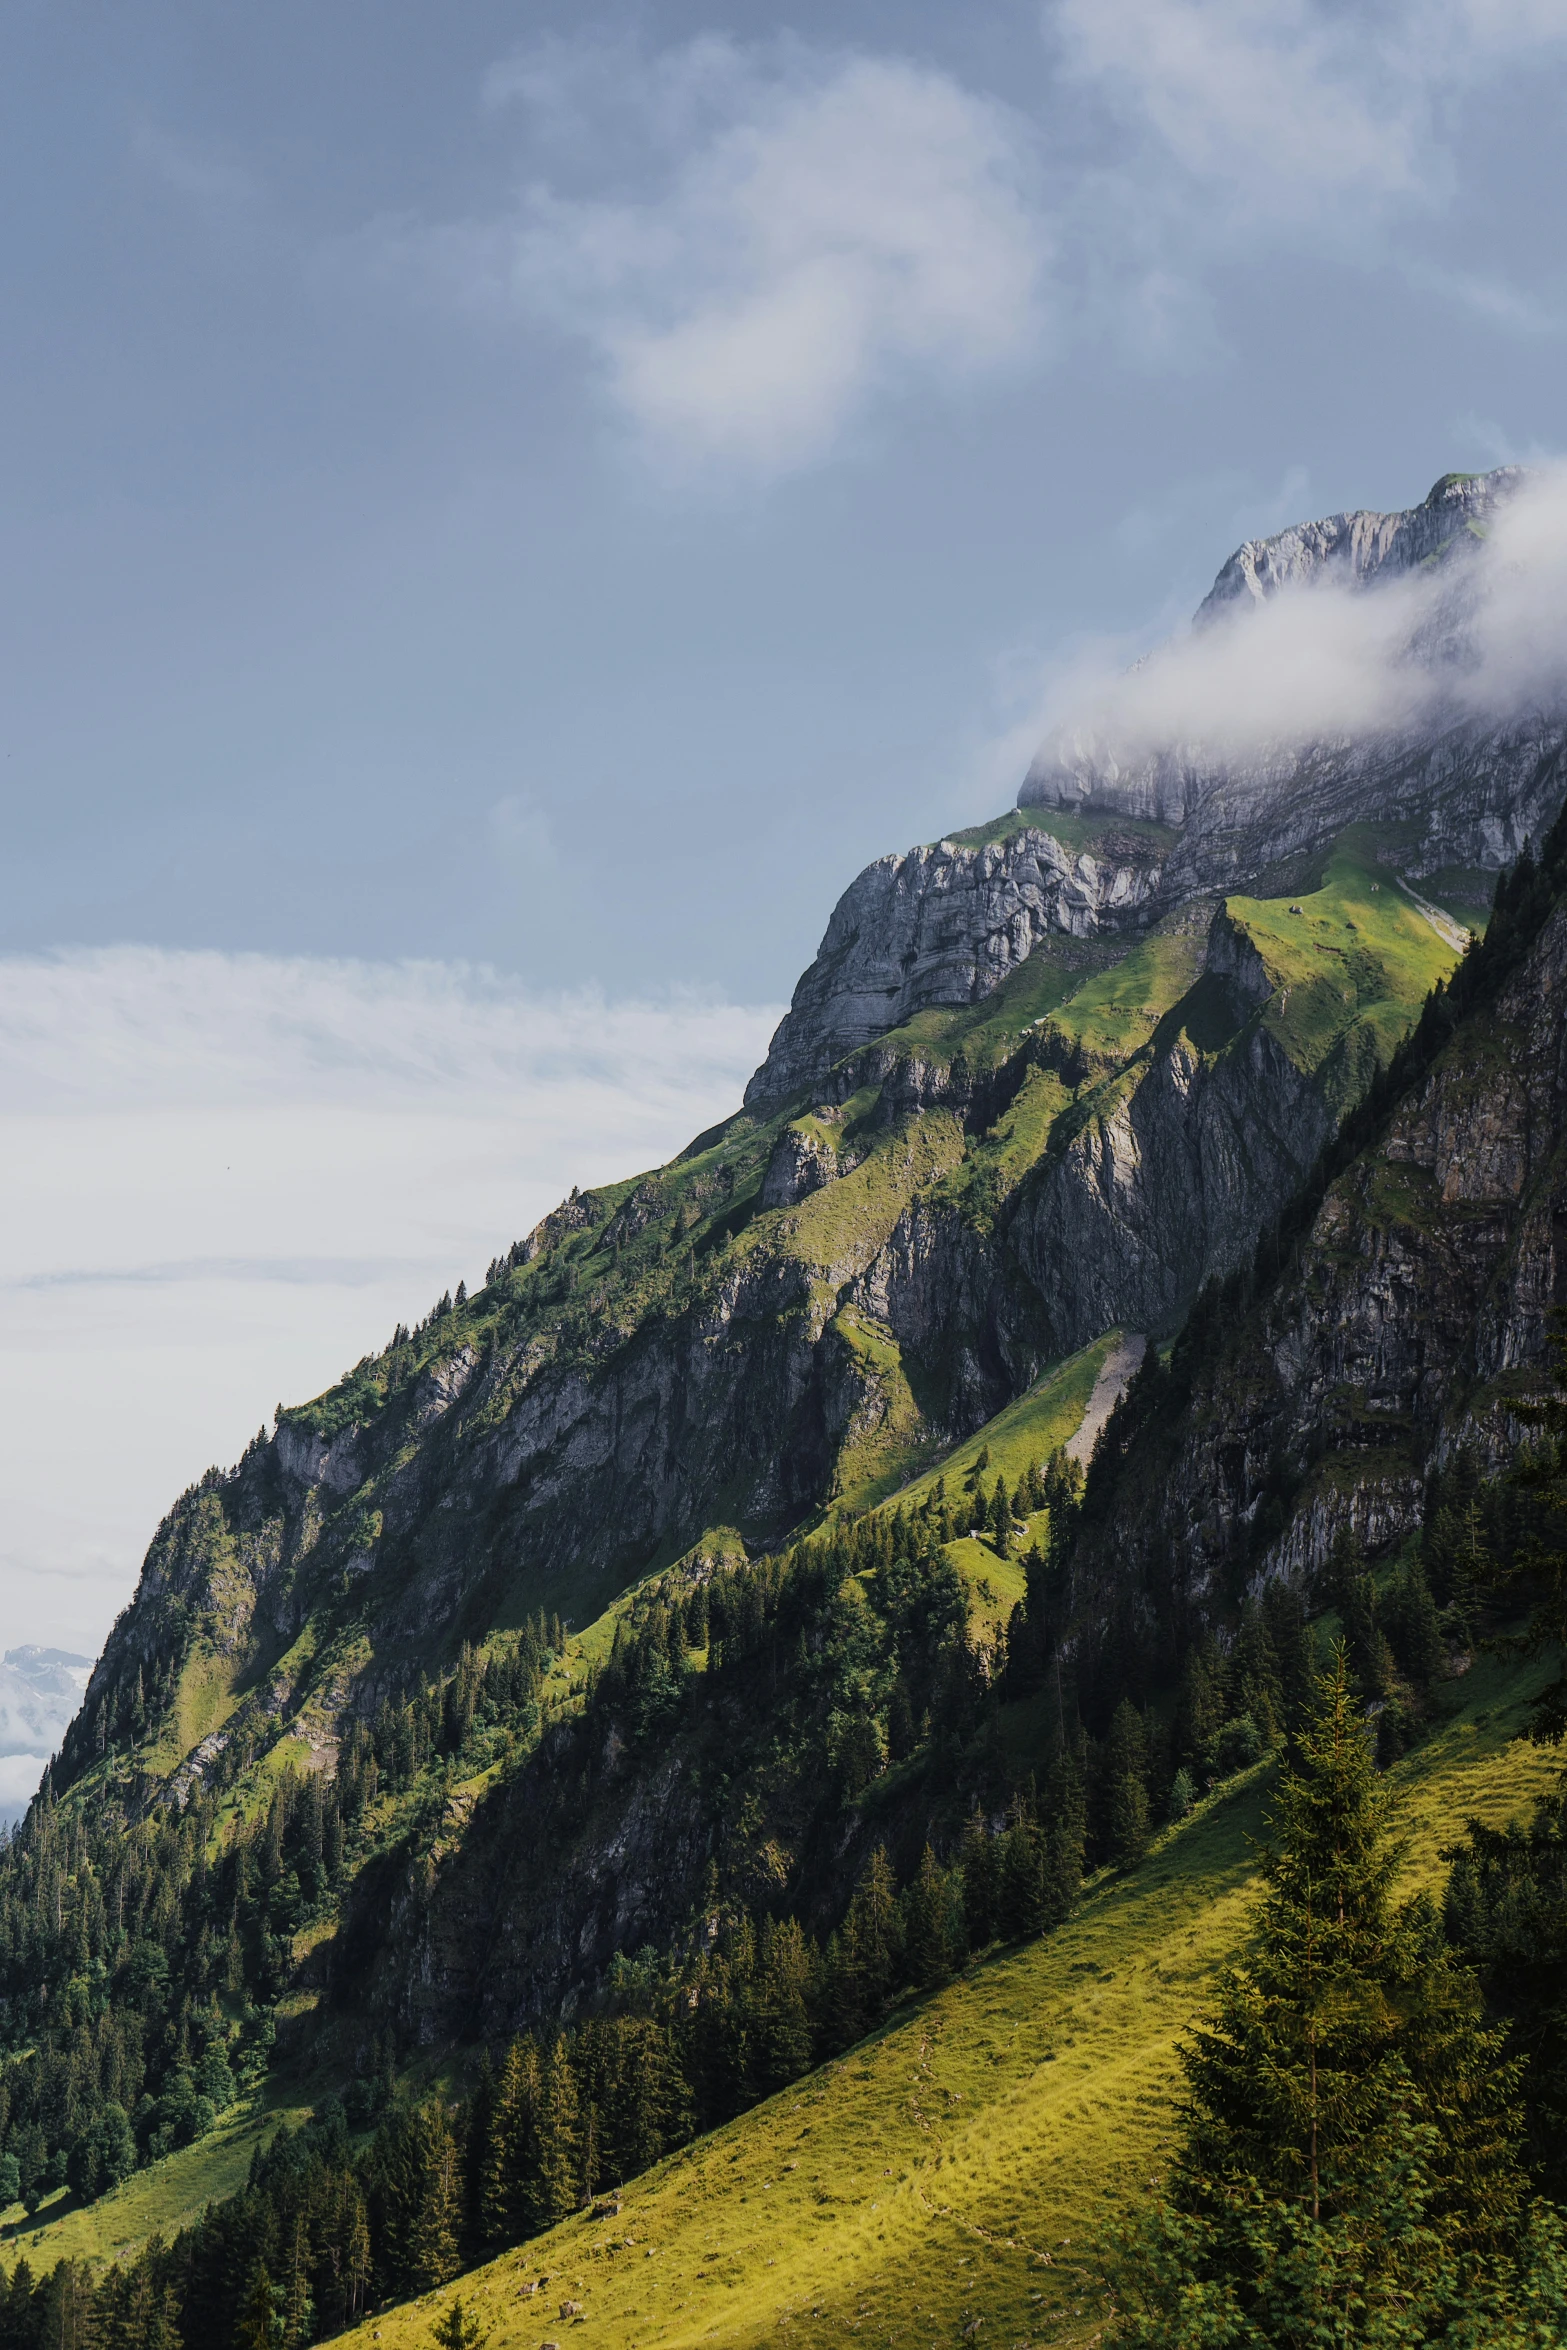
[(1362, 547)]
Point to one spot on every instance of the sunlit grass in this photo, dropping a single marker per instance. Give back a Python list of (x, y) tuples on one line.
[(964, 2162)]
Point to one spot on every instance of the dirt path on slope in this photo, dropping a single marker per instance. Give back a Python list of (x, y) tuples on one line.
[(1114, 1378)]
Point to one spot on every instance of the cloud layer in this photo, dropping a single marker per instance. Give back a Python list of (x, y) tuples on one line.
[(1481, 636), (227, 1177)]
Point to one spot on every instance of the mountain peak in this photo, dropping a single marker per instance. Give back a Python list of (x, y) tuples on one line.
[(1358, 548)]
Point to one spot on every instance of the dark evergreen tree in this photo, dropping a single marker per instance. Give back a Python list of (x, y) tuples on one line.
[(978, 1863), (1020, 1876), (557, 2165), (927, 1941), (1348, 2145), (436, 2217), (459, 2329), (1126, 1787)]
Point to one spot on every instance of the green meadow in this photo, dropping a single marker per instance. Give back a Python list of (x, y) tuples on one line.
[(962, 2165)]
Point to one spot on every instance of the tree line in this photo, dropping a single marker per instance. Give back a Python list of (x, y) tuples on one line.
[(140, 1959)]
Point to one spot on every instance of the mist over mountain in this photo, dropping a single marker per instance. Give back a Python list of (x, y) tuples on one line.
[(1368, 653)]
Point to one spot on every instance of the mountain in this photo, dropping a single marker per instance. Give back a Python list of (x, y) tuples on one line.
[(1378, 663), (717, 1569)]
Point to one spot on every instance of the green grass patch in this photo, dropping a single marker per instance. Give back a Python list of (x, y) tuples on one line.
[(156, 2201), (1027, 1431), (963, 2163), (1107, 835), (1350, 963)]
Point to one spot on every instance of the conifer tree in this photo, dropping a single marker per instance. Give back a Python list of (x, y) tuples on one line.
[(978, 1863), (1414, 1626), (1020, 1877), (1126, 1786), (928, 1952), (1348, 2151), (437, 2215), (1200, 1706), (1000, 1517), (459, 2329), (1259, 1684), (785, 1971), (258, 2326), (298, 2311), (507, 2152), (557, 2168)]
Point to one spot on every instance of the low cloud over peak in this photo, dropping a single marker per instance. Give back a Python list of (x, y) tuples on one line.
[(1361, 626)]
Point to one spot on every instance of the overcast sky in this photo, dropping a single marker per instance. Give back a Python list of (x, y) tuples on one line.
[(553, 492)]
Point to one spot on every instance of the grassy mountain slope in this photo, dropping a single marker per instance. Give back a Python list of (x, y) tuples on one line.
[(964, 2161), (676, 1354), (800, 1318)]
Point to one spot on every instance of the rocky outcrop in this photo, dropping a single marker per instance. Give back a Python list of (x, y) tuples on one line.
[(1362, 547), (944, 926), (1419, 1308), (1470, 781)]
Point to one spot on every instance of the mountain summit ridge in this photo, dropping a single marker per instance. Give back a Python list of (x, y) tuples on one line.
[(942, 925)]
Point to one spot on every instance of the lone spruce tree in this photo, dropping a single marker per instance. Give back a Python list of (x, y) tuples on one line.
[(1347, 2167)]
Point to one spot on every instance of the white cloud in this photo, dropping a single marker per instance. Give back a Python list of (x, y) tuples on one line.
[(1328, 659), (224, 1178), (1286, 103), (1294, 112), (818, 228), (757, 243)]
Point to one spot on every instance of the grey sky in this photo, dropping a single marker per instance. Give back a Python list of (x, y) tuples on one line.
[(560, 491), (412, 548)]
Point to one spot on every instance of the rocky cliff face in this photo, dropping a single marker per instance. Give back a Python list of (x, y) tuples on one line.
[(1362, 547), (1468, 783), (806, 1305), (1418, 1310), (944, 926)]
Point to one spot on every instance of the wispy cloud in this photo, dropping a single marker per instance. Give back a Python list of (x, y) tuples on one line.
[(1298, 115), (225, 1177), (810, 229), (756, 243), (1292, 106)]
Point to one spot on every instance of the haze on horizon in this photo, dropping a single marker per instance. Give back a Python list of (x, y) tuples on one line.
[(508, 511)]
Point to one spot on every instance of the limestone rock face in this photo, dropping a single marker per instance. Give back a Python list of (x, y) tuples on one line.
[(944, 925), (1420, 1303), (801, 1164), (1472, 785), (1362, 546)]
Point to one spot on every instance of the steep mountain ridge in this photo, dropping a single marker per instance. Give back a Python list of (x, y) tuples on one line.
[(1417, 1313), (1032, 1093), (1471, 777), (800, 1309), (1113, 834)]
